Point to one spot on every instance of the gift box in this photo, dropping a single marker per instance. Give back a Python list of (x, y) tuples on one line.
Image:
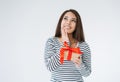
[(70, 52)]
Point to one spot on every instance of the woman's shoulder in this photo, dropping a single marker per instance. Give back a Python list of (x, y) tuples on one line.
[(83, 44), (52, 39)]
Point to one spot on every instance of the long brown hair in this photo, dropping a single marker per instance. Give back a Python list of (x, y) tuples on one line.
[(78, 34)]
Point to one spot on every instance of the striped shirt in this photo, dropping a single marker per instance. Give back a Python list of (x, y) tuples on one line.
[(66, 72)]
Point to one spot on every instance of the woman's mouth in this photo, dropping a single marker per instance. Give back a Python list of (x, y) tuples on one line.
[(67, 27)]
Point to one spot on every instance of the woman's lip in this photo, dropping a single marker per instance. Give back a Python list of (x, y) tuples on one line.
[(67, 27)]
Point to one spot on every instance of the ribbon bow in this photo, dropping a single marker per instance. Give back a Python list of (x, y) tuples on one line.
[(70, 50)]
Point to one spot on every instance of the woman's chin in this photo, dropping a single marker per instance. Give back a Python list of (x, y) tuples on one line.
[(69, 32)]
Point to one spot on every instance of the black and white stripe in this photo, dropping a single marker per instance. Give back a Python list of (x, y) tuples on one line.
[(66, 72)]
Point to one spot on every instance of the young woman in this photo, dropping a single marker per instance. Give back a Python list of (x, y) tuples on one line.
[(70, 31)]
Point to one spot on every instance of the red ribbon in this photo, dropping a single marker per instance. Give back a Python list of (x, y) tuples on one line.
[(70, 50)]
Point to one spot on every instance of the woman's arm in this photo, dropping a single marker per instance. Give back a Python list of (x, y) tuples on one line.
[(51, 55), (85, 66)]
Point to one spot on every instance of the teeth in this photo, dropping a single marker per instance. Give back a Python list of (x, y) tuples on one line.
[(67, 26)]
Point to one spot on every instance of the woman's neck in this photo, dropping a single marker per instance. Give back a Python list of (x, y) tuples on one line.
[(71, 39)]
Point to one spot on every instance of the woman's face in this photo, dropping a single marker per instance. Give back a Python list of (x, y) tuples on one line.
[(69, 22)]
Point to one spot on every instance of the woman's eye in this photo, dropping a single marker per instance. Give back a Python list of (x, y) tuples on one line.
[(65, 18), (74, 20)]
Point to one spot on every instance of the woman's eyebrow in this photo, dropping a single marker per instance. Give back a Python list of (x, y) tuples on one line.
[(66, 16), (74, 18), (71, 18)]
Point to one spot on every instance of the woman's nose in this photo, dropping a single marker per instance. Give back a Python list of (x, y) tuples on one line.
[(68, 21)]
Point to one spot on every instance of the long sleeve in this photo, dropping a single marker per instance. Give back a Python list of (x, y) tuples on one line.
[(51, 55), (85, 67)]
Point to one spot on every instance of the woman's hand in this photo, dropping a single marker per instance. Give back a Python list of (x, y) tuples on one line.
[(64, 34), (76, 58)]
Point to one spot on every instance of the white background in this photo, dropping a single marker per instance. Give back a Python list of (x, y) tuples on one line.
[(25, 25)]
